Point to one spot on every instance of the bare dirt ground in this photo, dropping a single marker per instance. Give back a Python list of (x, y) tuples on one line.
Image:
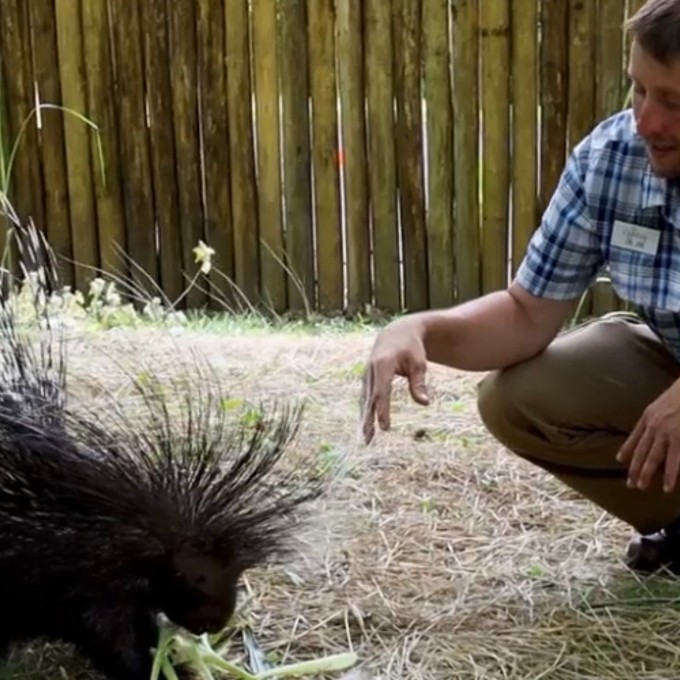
[(441, 555)]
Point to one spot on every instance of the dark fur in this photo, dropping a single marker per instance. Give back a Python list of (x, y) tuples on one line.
[(106, 521)]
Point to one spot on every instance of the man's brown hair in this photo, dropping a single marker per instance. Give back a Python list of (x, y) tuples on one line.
[(656, 28)]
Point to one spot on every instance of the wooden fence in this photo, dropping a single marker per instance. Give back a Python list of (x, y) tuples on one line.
[(388, 153)]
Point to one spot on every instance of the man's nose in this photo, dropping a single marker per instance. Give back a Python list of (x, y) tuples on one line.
[(650, 119)]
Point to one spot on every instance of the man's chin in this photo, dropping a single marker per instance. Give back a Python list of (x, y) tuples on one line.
[(664, 163)]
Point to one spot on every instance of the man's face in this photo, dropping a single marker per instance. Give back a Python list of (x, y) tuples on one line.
[(656, 105)]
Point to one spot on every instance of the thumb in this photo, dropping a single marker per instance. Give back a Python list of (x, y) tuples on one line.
[(418, 387)]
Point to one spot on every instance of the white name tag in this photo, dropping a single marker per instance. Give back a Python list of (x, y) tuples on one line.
[(634, 237)]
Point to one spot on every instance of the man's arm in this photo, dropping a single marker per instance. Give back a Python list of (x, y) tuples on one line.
[(501, 328), (492, 332)]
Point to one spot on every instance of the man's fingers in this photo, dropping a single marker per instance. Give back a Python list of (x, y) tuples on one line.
[(367, 409), (626, 451), (376, 394), (417, 386), (368, 430), (670, 476), (653, 461), (376, 398), (641, 447), (383, 399)]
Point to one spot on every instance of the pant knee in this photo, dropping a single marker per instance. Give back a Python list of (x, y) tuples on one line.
[(519, 405), (497, 402), (486, 392)]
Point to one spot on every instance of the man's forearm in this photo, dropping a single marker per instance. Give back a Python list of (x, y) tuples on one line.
[(488, 333)]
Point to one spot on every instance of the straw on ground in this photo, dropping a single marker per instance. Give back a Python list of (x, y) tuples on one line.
[(443, 556)]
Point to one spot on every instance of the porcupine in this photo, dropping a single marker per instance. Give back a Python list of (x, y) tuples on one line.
[(105, 523)]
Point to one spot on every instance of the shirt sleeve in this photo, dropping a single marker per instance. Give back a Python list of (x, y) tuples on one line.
[(564, 254)]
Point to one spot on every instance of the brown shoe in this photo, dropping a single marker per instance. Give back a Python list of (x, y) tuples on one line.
[(648, 554)]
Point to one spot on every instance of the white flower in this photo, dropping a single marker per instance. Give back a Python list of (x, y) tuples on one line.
[(203, 254)]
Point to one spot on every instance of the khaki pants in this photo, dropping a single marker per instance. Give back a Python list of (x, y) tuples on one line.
[(569, 409)]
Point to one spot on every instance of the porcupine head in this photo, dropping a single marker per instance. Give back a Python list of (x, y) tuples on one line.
[(217, 504)]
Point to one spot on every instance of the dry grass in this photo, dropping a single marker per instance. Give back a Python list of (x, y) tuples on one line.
[(441, 556)]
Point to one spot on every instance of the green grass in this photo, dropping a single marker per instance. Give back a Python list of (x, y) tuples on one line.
[(247, 322)]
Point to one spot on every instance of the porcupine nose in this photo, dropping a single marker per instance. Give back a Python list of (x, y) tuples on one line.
[(208, 620)]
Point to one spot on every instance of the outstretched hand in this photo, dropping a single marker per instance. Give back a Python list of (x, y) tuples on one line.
[(654, 444), (398, 351)]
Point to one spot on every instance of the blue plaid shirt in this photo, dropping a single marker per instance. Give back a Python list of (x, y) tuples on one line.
[(607, 179)]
